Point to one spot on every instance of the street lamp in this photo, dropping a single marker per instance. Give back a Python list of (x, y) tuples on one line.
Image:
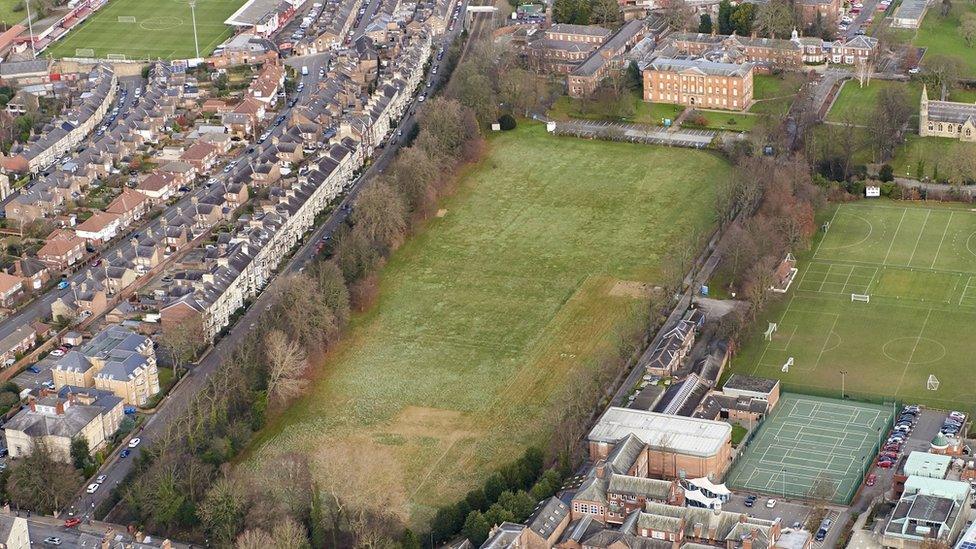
[(193, 16)]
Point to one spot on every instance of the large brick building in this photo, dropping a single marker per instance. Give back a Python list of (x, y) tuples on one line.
[(674, 446), (699, 83), (774, 52)]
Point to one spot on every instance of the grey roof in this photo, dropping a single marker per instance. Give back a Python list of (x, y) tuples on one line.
[(73, 361), (13, 69), (68, 425), (951, 112), (505, 536), (931, 508), (587, 30), (911, 9), (741, 382), (624, 454), (713, 68), (650, 488), (547, 517)]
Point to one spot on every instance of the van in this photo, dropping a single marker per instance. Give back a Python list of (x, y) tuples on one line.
[(823, 530), (304, 70)]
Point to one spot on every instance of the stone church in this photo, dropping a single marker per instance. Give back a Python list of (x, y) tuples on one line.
[(946, 119)]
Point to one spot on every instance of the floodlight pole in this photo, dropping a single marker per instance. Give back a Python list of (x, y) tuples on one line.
[(843, 378), (30, 29), (193, 16)]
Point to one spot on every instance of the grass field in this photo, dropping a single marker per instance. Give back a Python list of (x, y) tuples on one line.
[(918, 264), (812, 447), (482, 315), (773, 94), (163, 29), (930, 150), (11, 17), (725, 120), (859, 103), (567, 108), (940, 36)]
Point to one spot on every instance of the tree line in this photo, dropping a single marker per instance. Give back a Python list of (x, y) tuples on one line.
[(183, 485)]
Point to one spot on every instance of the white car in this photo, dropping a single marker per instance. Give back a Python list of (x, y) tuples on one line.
[(91, 488), (57, 352), (770, 503), (134, 442), (100, 478)]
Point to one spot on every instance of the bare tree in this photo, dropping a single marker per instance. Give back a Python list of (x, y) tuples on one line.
[(289, 534), (287, 363), (943, 72), (254, 538), (891, 113), (678, 14), (775, 18), (184, 341)]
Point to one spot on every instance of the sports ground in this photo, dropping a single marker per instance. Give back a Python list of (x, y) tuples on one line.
[(812, 448), (528, 274), (917, 264), (149, 29)]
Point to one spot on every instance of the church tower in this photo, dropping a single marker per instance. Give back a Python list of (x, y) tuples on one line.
[(923, 113)]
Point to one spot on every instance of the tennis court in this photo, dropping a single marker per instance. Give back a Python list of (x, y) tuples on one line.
[(812, 447)]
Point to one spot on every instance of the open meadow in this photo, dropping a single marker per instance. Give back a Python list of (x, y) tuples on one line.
[(917, 264), (940, 36), (525, 276), (149, 30)]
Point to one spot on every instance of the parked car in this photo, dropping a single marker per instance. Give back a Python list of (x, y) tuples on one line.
[(770, 503), (100, 478), (871, 480), (92, 488), (823, 530), (886, 464), (125, 453), (51, 540), (63, 284), (33, 369), (129, 410), (72, 522), (134, 442), (57, 352)]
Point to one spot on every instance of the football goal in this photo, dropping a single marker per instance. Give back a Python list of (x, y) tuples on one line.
[(786, 366), (115, 56), (127, 19), (773, 326), (84, 52), (933, 383), (860, 297)]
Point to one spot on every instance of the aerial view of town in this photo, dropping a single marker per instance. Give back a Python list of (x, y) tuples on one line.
[(487, 274)]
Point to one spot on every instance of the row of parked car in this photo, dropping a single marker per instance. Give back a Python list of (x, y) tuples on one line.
[(953, 423), (891, 449)]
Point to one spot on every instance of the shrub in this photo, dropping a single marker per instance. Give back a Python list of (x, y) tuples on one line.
[(886, 174), (507, 122)]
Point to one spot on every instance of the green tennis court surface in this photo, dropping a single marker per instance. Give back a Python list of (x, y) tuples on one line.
[(812, 447), (915, 266)]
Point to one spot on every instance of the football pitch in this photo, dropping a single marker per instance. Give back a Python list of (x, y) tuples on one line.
[(145, 29), (812, 448), (917, 265)]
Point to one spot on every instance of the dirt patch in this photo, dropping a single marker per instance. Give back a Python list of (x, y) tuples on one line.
[(441, 212), (629, 288)]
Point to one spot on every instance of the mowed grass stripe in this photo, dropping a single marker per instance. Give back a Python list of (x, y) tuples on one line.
[(162, 29), (880, 342)]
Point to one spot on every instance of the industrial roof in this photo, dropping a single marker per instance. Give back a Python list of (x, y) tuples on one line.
[(684, 435), (952, 489), (928, 465)]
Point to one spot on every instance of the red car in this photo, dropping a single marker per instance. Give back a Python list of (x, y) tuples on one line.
[(72, 522), (886, 464), (872, 478)]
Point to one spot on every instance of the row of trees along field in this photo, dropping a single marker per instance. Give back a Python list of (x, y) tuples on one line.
[(184, 486)]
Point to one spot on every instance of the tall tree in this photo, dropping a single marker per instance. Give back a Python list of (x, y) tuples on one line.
[(605, 12), (287, 363), (725, 10), (892, 112), (743, 18), (381, 213), (678, 14), (705, 23), (183, 341), (942, 71), (222, 510), (42, 483), (967, 28), (775, 18)]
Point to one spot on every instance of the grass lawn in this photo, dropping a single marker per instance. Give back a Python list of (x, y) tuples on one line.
[(566, 108), (918, 265), (11, 17), (963, 95), (940, 36), (859, 102), (930, 150), (536, 261), (738, 433), (162, 29), (721, 120), (774, 93)]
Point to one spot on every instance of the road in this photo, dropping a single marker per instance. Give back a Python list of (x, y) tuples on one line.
[(861, 20), (115, 469)]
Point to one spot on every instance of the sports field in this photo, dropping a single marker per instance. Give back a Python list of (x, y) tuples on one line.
[(812, 447), (917, 264), (149, 29), (483, 317)]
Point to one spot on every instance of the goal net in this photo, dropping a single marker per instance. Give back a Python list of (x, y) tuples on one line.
[(773, 326), (84, 52), (786, 366), (826, 226), (115, 56), (860, 297), (933, 383), (127, 19)]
